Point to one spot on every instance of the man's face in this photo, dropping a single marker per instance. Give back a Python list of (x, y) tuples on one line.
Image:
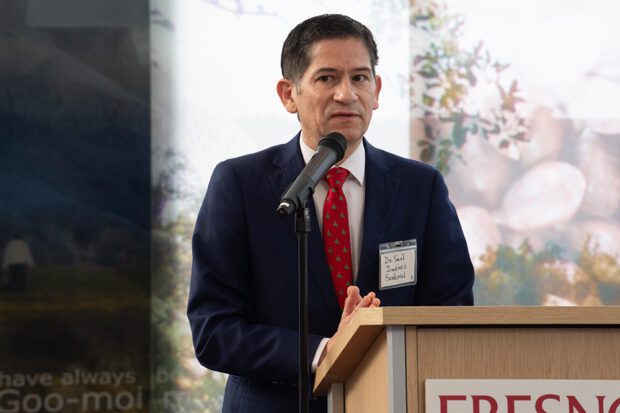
[(337, 93)]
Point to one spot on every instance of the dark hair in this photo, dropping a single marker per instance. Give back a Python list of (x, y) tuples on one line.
[(295, 57)]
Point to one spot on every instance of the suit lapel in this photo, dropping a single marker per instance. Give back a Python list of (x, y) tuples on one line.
[(289, 162), (381, 191)]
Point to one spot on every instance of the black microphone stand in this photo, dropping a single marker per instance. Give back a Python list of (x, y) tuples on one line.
[(302, 228), (330, 150)]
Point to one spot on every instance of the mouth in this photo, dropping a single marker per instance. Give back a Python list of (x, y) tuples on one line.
[(344, 115)]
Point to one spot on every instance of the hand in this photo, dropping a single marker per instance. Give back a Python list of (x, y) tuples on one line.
[(353, 302)]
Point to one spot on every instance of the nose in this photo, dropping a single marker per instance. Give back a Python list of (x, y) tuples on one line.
[(345, 92)]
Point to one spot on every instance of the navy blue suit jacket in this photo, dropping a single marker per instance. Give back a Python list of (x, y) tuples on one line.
[(243, 293)]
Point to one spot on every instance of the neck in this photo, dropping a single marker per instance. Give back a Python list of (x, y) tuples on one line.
[(350, 149)]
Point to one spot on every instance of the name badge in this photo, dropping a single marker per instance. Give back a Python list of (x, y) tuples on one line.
[(397, 264)]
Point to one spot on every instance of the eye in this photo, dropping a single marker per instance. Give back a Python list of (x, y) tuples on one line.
[(360, 78), (325, 78)]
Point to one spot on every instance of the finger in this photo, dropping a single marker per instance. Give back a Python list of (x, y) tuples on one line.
[(375, 303), (354, 292), (352, 300), (367, 300)]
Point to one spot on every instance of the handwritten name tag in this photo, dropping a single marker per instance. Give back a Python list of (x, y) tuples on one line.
[(397, 264)]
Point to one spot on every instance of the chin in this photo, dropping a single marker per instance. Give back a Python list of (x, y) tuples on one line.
[(352, 137), (352, 130)]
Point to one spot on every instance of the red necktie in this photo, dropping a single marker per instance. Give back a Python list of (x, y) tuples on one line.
[(336, 236)]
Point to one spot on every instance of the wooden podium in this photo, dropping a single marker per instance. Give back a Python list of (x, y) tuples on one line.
[(382, 360)]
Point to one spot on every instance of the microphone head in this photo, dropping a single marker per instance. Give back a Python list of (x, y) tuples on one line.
[(335, 141)]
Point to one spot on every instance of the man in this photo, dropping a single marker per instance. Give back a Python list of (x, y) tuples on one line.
[(17, 260), (243, 293)]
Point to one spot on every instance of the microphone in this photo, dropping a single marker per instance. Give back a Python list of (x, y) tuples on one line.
[(329, 151)]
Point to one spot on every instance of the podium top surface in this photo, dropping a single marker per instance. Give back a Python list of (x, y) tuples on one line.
[(368, 323), (427, 316)]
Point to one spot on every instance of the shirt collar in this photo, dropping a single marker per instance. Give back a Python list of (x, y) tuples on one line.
[(355, 163)]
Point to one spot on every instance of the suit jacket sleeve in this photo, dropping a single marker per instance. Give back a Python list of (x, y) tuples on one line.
[(445, 265), (227, 335)]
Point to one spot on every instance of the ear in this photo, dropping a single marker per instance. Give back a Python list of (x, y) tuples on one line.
[(375, 105), (286, 94)]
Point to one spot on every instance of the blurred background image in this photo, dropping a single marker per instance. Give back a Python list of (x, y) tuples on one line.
[(74, 206)]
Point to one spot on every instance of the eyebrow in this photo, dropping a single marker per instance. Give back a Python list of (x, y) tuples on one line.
[(333, 70)]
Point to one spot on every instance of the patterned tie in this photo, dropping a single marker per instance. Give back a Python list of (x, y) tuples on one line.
[(336, 236)]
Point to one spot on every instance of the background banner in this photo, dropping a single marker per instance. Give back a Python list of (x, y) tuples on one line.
[(74, 207)]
